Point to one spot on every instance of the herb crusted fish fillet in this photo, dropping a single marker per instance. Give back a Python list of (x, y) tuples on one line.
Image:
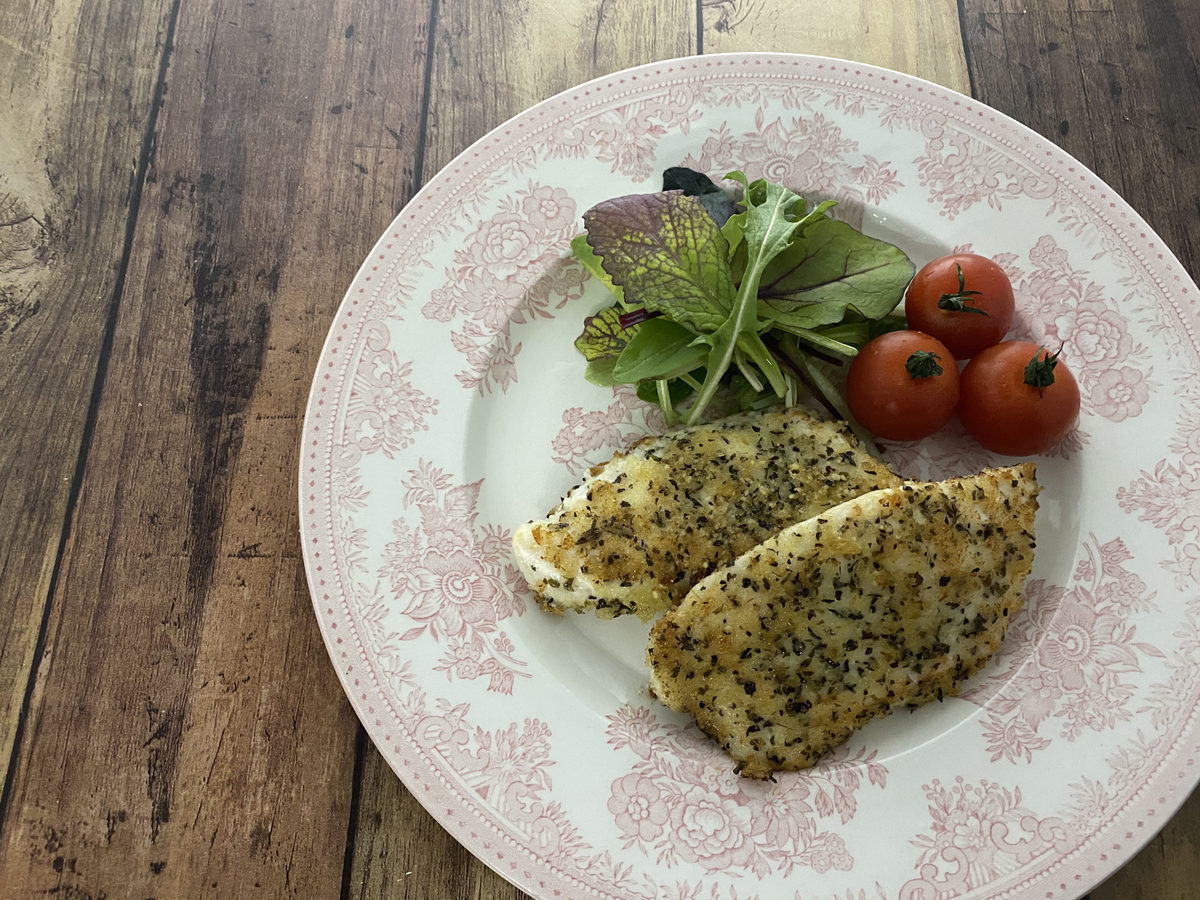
[(643, 528), (889, 600)]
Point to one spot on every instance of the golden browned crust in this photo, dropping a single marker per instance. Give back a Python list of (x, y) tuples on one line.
[(642, 529), (889, 600)]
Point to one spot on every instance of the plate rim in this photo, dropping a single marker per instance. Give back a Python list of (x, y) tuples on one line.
[(458, 827)]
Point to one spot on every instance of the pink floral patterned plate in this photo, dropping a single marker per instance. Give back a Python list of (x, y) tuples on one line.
[(449, 406)]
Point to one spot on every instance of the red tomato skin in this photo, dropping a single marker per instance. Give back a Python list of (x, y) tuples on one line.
[(963, 333), (890, 403), (1010, 417)]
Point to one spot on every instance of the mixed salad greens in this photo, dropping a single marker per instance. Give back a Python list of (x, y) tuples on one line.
[(741, 293)]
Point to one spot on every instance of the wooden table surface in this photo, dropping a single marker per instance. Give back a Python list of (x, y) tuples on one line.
[(186, 190)]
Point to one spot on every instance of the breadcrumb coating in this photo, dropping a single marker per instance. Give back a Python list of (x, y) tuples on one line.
[(642, 529), (886, 601)]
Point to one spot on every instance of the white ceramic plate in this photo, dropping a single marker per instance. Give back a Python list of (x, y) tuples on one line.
[(449, 406)]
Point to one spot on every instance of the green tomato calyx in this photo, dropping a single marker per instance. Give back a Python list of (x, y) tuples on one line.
[(922, 364), (1039, 373), (957, 302)]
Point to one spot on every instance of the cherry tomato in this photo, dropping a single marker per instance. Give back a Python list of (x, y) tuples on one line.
[(1018, 398), (903, 385), (964, 300)]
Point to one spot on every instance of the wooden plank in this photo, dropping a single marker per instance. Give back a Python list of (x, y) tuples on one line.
[(523, 53), (491, 61), (918, 37), (1105, 88), (187, 734), (1119, 91), (73, 121)]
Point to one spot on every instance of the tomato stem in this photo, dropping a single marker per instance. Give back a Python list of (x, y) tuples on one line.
[(1039, 373), (957, 302), (922, 364)]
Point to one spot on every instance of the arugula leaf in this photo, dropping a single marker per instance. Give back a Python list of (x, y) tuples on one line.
[(667, 254), (734, 228), (773, 215)]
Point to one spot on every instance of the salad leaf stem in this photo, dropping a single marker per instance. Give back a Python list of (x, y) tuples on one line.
[(824, 390), (663, 386), (824, 345), (792, 358), (747, 370)]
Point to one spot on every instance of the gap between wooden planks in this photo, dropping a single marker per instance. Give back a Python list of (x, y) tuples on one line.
[(74, 119)]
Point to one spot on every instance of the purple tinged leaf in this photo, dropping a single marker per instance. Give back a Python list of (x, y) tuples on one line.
[(603, 335), (667, 254), (636, 317)]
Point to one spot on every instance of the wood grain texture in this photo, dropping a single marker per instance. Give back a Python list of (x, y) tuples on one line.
[(200, 181), (918, 37), (1118, 87), (524, 53), (187, 736), (74, 113), (1103, 86)]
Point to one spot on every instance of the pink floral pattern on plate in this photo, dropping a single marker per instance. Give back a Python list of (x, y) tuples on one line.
[(681, 801), (509, 767), (1168, 497), (626, 137), (511, 272), (589, 437), (1073, 655), (960, 170), (812, 154), (979, 831), (449, 405), (455, 581), (385, 410)]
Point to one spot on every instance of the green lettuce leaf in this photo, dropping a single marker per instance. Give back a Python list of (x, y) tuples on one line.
[(660, 349), (834, 268)]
